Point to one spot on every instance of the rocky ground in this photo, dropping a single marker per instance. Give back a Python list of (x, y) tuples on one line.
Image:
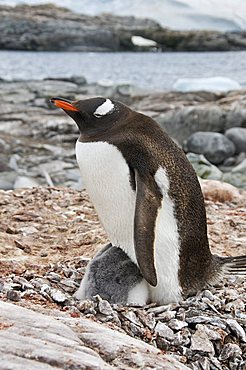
[(37, 140), (47, 27), (47, 236)]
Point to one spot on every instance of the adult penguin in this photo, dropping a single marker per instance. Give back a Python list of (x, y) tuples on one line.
[(147, 196)]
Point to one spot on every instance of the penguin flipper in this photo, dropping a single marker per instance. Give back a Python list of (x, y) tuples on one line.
[(148, 201)]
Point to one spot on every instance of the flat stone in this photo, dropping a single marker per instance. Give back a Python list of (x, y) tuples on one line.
[(200, 342), (39, 341), (164, 331), (32, 340)]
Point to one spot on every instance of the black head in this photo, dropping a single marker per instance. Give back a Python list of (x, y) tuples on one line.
[(93, 116)]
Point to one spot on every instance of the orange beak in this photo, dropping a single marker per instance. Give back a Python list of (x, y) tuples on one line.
[(64, 104)]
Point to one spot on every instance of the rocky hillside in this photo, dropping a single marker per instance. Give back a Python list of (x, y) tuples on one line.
[(47, 236), (37, 140), (49, 233), (182, 14), (47, 27)]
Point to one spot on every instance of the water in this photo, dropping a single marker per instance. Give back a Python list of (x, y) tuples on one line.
[(155, 71)]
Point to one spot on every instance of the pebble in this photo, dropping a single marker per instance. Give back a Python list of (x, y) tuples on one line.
[(164, 331), (191, 330), (200, 342), (166, 316), (57, 296), (237, 329), (177, 324), (13, 295), (104, 307), (230, 350)]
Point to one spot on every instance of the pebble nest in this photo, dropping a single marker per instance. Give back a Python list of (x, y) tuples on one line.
[(47, 238)]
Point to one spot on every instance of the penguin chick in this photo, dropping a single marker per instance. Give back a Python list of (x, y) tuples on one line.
[(113, 276), (147, 196)]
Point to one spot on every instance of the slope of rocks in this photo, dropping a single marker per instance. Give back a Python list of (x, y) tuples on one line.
[(47, 27), (48, 235), (37, 141)]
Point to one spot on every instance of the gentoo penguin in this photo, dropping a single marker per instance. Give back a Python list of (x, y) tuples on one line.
[(113, 276), (147, 196)]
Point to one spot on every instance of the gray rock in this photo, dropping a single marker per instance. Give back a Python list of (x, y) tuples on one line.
[(177, 324), (238, 136), (213, 145), (237, 176), (13, 295), (4, 146), (25, 182), (31, 340), (203, 167), (104, 307), (181, 123), (236, 116), (7, 180), (230, 350), (241, 167), (164, 331), (200, 342), (237, 329)]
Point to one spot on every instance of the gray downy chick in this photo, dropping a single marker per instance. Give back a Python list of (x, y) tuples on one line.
[(113, 276)]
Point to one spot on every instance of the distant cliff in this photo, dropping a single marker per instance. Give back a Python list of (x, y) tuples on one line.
[(47, 27)]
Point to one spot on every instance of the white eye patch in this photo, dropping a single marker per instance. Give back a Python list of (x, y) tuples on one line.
[(104, 109)]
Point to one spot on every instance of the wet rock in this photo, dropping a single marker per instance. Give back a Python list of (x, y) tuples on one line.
[(238, 136), (214, 146)]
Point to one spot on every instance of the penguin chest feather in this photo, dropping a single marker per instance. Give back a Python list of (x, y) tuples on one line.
[(105, 175)]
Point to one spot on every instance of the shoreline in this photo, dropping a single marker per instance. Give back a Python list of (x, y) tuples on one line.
[(44, 30), (36, 126)]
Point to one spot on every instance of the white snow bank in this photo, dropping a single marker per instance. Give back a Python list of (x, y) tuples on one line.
[(206, 84), (141, 41)]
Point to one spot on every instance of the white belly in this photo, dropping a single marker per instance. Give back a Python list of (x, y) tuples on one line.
[(105, 174)]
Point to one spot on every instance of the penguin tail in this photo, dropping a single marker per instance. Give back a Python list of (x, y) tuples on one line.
[(233, 265)]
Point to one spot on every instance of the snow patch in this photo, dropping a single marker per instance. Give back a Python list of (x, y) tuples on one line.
[(206, 84)]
